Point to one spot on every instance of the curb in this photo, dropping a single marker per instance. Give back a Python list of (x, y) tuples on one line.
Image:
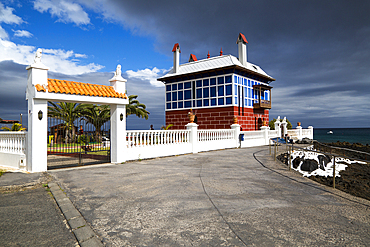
[(83, 232)]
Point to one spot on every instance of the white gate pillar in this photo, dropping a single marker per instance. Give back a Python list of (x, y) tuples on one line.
[(37, 117), (277, 126), (193, 127), (118, 121)]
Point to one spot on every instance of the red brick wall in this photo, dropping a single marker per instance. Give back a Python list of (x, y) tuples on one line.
[(219, 118)]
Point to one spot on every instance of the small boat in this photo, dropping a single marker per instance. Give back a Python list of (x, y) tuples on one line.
[(330, 132)]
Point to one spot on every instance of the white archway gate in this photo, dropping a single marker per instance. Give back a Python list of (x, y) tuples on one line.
[(40, 91)]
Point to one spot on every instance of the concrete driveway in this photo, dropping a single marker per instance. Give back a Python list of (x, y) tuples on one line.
[(234, 197)]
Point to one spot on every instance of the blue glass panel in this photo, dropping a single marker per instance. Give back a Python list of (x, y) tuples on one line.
[(168, 96), (187, 85), (187, 104), (228, 90), (199, 103), (246, 92), (174, 87), (168, 88), (213, 102), (180, 95), (228, 79), (229, 100), (187, 94), (199, 93), (205, 82), (168, 105), (250, 93), (235, 79), (174, 96), (181, 105), (221, 101), (220, 80), (181, 86), (213, 91), (250, 102), (266, 96), (174, 105), (220, 90), (246, 102), (236, 89), (206, 92), (213, 81), (249, 83), (199, 83), (206, 102), (236, 100), (245, 82)]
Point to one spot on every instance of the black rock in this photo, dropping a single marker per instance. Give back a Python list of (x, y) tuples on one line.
[(309, 165), (323, 160), (296, 162)]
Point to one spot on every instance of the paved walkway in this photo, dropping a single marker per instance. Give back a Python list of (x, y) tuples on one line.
[(235, 197)]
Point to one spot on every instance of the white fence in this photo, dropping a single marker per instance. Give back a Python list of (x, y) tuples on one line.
[(13, 149), (156, 143)]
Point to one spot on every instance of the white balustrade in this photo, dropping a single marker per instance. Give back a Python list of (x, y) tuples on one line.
[(253, 134), (13, 142), (145, 138), (273, 133), (215, 135)]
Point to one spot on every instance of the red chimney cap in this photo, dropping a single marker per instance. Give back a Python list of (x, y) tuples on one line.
[(192, 58), (175, 47), (242, 37)]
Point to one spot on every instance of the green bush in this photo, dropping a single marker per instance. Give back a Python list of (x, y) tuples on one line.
[(84, 139)]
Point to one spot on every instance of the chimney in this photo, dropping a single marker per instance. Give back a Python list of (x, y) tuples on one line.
[(242, 48), (176, 57)]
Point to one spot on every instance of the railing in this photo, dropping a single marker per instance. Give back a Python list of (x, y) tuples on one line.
[(293, 133), (252, 134), (13, 142), (142, 138), (215, 135), (273, 133), (344, 152), (262, 104)]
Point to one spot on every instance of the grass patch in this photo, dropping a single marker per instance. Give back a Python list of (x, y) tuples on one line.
[(1, 172)]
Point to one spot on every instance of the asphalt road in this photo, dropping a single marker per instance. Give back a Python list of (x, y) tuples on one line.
[(235, 197)]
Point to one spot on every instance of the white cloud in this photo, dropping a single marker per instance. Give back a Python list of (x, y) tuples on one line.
[(7, 16), (59, 61), (22, 33), (67, 12), (147, 75), (3, 33)]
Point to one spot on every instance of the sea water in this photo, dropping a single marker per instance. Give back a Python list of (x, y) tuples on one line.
[(351, 135)]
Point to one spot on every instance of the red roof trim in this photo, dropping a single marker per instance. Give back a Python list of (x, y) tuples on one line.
[(192, 58)]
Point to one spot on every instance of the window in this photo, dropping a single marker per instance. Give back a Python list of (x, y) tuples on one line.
[(205, 82), (174, 105), (199, 93), (187, 85), (206, 102), (168, 96), (174, 96), (187, 104), (228, 79), (206, 92), (228, 90), (229, 100), (168, 88), (220, 101), (168, 105), (187, 94), (213, 102), (180, 95), (220, 80), (213, 91), (181, 104), (199, 103), (213, 81), (181, 86), (199, 83), (220, 90), (174, 87)]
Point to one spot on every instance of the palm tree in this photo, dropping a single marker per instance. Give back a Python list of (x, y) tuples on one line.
[(97, 116), (15, 127), (68, 112), (134, 107)]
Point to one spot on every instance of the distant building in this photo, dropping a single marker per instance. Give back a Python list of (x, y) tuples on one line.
[(216, 90)]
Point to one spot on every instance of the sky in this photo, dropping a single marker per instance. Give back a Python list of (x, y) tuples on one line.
[(318, 51)]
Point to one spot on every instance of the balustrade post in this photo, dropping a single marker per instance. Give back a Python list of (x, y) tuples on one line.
[(236, 128), (193, 127)]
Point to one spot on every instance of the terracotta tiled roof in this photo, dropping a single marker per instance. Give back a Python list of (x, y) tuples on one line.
[(80, 88)]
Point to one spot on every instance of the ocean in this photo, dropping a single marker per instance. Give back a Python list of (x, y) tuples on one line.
[(351, 135)]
